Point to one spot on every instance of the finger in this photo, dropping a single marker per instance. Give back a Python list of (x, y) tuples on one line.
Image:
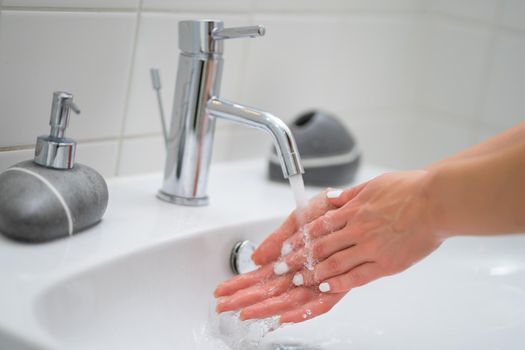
[(323, 248), (269, 250), (320, 305), (254, 294), (280, 304), (320, 249), (324, 225), (339, 263), (356, 277), (290, 263), (243, 281), (338, 198)]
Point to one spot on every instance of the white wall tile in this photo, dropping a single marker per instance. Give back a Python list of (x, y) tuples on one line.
[(505, 99), (382, 140), (384, 5), (299, 5), (248, 143), (102, 156), (142, 155), (377, 61), (9, 158), (336, 5), (87, 54), (335, 63), (455, 58), (157, 46), (198, 5), (290, 69), (484, 10), (433, 140), (73, 4), (405, 141), (514, 13)]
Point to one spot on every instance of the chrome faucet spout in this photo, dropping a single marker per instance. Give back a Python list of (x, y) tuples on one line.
[(196, 106), (282, 136)]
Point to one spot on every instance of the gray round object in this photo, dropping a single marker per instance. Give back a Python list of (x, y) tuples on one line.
[(40, 204), (328, 150)]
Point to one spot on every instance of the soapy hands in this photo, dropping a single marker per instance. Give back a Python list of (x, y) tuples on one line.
[(262, 293), (376, 229)]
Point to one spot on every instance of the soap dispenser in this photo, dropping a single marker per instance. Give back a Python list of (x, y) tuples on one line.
[(51, 196)]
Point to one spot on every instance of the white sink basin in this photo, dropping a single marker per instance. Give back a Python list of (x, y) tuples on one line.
[(470, 295), (143, 280)]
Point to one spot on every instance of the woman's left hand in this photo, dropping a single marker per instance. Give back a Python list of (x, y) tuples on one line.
[(261, 293)]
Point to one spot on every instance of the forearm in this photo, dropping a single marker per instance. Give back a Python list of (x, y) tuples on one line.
[(482, 195), (507, 139)]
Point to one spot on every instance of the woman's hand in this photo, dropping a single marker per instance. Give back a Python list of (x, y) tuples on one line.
[(270, 250), (375, 229), (382, 229), (262, 293)]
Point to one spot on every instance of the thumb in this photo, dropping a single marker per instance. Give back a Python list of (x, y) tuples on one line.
[(338, 197)]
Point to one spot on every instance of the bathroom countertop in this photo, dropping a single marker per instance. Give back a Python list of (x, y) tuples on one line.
[(239, 193)]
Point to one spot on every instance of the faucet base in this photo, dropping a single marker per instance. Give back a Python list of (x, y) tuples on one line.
[(194, 202)]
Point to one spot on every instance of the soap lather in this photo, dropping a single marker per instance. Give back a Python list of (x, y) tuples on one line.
[(51, 196)]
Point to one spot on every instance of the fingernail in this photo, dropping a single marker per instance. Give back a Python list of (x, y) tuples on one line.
[(280, 268), (286, 249), (332, 194), (298, 279), (324, 287)]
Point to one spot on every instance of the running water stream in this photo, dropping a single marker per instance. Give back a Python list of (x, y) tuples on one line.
[(301, 201)]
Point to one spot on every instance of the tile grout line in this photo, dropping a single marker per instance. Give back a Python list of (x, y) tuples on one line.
[(251, 11), (87, 141), (68, 9), (129, 87)]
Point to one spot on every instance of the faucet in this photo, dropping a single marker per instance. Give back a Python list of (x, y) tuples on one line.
[(196, 106)]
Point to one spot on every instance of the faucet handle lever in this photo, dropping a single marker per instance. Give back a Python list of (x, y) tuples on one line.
[(238, 32), (72, 106)]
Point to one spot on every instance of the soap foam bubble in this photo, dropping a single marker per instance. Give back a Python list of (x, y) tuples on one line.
[(226, 331), (298, 279), (286, 248)]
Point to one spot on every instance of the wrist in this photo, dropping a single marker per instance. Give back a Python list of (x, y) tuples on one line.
[(436, 205)]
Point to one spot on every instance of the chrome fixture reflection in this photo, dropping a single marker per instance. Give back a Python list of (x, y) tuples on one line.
[(196, 106), (56, 150), (241, 257)]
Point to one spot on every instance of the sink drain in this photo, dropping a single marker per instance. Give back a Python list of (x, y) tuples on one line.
[(241, 257)]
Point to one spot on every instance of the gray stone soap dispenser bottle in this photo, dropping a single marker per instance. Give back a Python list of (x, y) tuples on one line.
[(51, 196)]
